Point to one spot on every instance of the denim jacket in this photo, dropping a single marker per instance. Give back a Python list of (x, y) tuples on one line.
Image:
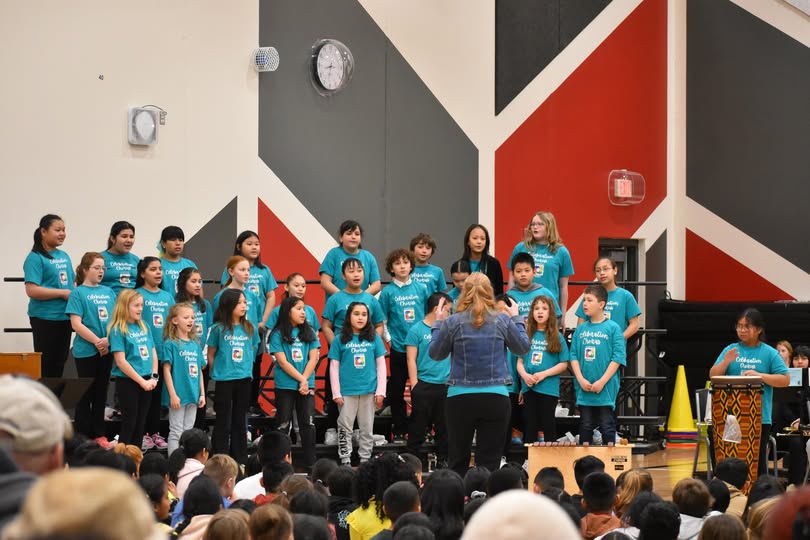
[(478, 355)]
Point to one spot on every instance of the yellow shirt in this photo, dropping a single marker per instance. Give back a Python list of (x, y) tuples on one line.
[(364, 522)]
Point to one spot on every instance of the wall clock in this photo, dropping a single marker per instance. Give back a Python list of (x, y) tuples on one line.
[(332, 66)]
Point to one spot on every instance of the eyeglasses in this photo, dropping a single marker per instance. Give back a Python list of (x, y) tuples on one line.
[(534, 225), (97, 267), (743, 327)]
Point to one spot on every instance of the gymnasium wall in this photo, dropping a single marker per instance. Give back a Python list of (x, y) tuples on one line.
[(458, 112)]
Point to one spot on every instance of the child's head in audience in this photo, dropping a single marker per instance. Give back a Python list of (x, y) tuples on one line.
[(598, 493), (321, 470), (273, 474), (246, 505), (228, 524), (632, 514), (311, 527), (271, 522), (790, 517), (660, 521), (341, 482), (765, 487), (111, 460), (585, 466), (375, 475), (724, 527), (400, 497), (733, 471), (548, 477), (222, 469), (758, 517), (720, 495), (628, 485), (290, 487), (311, 502), (416, 465), (475, 482), (443, 502), (502, 480), (692, 497), (157, 491), (274, 446)]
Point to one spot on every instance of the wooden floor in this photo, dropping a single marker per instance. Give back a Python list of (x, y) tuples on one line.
[(669, 466)]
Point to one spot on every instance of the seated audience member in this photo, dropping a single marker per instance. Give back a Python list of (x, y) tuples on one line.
[(790, 518), (503, 479), (272, 476), (548, 477), (132, 452), (321, 470), (400, 498), (720, 495), (763, 488), (271, 522), (413, 518), (416, 465), (582, 468), (660, 521), (472, 507), (414, 532), (274, 447), (475, 482), (598, 498), (156, 463), (14, 485), (311, 502), (628, 485), (67, 501), (222, 469), (734, 472), (632, 514), (189, 459), (310, 527), (33, 425), (290, 487), (245, 505), (693, 500), (443, 502), (228, 524), (341, 503), (201, 501), (156, 490), (516, 515), (724, 527), (111, 460), (758, 516)]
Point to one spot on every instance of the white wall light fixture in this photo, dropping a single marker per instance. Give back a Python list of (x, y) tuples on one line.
[(265, 59), (142, 126)]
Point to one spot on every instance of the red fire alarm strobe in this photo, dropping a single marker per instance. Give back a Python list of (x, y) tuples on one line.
[(625, 187)]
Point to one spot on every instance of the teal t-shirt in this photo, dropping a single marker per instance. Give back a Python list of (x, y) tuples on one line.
[(453, 391), (595, 346), (431, 276), (427, 369), (186, 358), (524, 300), (203, 321), (454, 293), (94, 305), (171, 271), (358, 364), (260, 282), (539, 359), (55, 273), (763, 359), (474, 265), (548, 267), (312, 318), (138, 348), (254, 303), (156, 307), (235, 352), (333, 262), (621, 307), (402, 307), (296, 353), (121, 270), (338, 303)]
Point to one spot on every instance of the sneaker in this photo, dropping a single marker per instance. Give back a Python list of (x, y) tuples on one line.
[(517, 437), (380, 440), (160, 442), (503, 462), (104, 443), (111, 414), (399, 439), (256, 412), (330, 437), (147, 443), (346, 462)]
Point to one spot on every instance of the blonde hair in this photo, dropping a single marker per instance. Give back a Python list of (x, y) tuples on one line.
[(170, 329), (231, 263), (270, 522), (758, 516), (227, 524), (552, 234), (552, 331), (220, 468), (70, 502), (120, 314), (476, 297), (786, 344), (628, 485)]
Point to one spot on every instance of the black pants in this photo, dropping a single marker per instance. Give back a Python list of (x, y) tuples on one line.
[(201, 422), (395, 392), (90, 408), (231, 403), (797, 457), (134, 402), (52, 339), (540, 410), (515, 421), (762, 468), (304, 405), (256, 382), (488, 414), (427, 409), (153, 415)]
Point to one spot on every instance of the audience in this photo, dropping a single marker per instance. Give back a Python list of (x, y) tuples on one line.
[(734, 473), (271, 522), (547, 478), (307, 527), (201, 501), (628, 485), (723, 527), (520, 515), (228, 524), (443, 502), (273, 448), (582, 468), (659, 521), (693, 500), (502, 480), (400, 498), (598, 498), (341, 503), (720, 495), (188, 460), (273, 474)]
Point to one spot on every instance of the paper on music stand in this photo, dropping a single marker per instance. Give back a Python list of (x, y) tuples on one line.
[(732, 432)]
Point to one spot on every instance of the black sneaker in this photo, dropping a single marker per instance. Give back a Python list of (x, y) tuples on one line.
[(256, 412)]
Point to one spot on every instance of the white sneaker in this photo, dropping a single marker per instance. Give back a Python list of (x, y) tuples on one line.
[(503, 462), (330, 437)]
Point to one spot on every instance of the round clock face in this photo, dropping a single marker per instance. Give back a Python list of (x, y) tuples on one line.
[(332, 66)]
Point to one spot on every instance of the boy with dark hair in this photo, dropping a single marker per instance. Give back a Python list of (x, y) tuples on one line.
[(597, 353), (598, 498), (734, 472), (547, 478), (428, 380), (582, 468), (403, 305), (431, 276), (414, 462), (273, 447), (398, 499), (720, 495), (341, 503), (273, 475), (504, 479), (659, 521)]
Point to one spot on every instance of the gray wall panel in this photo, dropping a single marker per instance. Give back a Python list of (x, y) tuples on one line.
[(211, 246)]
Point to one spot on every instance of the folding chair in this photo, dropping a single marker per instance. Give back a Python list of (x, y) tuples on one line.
[(703, 420)]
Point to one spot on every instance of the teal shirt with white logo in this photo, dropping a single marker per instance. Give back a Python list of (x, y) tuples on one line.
[(595, 346), (539, 359), (138, 348), (763, 359), (427, 369), (121, 270), (156, 307), (296, 353), (171, 271), (548, 267), (358, 364), (55, 273), (94, 305), (431, 276), (621, 307), (333, 262), (338, 303), (203, 321), (312, 318), (186, 360), (235, 353), (260, 282), (524, 299), (402, 307), (254, 303)]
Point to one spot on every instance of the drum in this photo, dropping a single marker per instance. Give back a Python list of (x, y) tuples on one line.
[(741, 397)]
